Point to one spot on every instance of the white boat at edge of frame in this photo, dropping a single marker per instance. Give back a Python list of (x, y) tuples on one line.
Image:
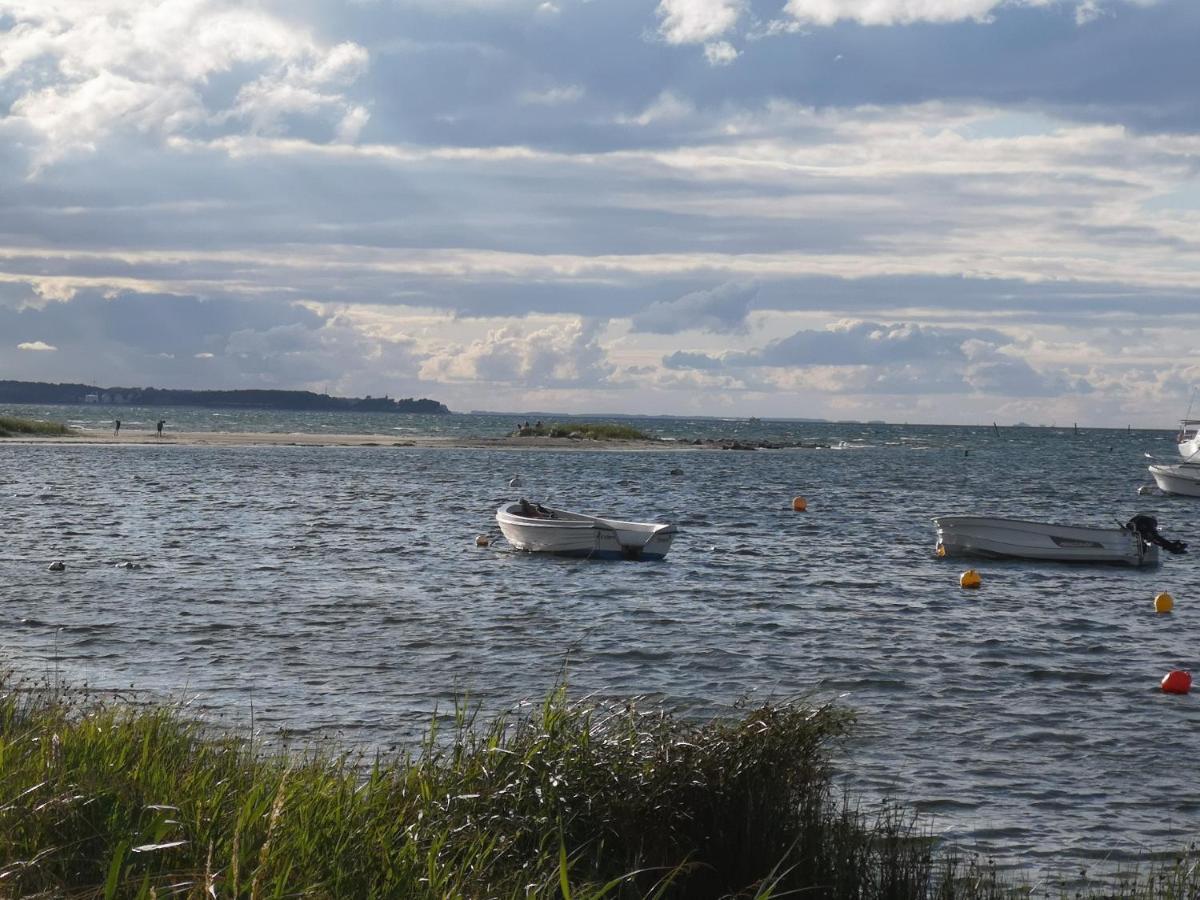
[(564, 533), (1188, 439), (1180, 478), (998, 538)]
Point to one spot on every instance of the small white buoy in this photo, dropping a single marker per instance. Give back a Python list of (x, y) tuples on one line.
[(57, 566), (515, 481)]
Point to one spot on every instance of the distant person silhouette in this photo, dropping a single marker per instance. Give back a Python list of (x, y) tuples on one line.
[(160, 426), (117, 428)]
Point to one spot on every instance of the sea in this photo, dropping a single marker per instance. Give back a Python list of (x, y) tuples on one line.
[(337, 595)]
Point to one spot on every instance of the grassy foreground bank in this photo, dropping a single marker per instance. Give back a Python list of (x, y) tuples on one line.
[(11, 425), (564, 800)]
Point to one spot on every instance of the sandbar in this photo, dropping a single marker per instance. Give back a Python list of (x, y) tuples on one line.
[(138, 437)]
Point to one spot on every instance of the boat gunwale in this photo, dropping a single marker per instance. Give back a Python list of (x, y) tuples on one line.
[(937, 520), (582, 521)]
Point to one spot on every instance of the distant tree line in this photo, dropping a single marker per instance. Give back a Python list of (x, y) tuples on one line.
[(42, 392)]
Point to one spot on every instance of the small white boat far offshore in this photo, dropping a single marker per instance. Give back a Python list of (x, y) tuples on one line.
[(1136, 543), (539, 529), (1182, 478)]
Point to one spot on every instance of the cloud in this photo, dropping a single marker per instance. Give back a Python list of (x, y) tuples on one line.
[(560, 355), (685, 360), (722, 309), (720, 53), (187, 342), (992, 370), (555, 96), (666, 107), (697, 21), (82, 70), (850, 343), (897, 358), (895, 12)]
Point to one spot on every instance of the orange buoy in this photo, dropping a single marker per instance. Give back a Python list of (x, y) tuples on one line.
[(969, 579), (482, 541), (1177, 682), (1164, 603), (799, 504)]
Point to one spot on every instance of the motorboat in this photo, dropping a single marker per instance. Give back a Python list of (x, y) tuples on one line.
[(1135, 543), (1188, 439), (540, 529), (1180, 478)]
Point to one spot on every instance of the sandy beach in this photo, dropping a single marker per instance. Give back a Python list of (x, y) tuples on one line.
[(304, 439)]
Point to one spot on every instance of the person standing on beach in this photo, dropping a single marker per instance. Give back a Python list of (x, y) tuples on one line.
[(160, 426), (117, 428)]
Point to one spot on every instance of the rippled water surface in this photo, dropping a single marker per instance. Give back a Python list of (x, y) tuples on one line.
[(339, 591)]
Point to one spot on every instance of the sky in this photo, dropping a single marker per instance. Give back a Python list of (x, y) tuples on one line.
[(958, 211)]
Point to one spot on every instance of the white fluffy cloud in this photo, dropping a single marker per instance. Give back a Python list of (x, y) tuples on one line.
[(562, 354), (84, 69), (895, 12), (39, 346), (697, 21)]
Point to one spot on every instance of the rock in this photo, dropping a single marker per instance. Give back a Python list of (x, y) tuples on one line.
[(57, 566)]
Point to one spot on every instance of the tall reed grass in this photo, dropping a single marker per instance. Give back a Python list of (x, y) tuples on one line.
[(10, 425), (563, 799)]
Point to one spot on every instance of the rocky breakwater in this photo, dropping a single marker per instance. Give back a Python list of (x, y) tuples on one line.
[(755, 444)]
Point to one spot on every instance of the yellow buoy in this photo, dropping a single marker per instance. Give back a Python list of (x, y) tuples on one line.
[(940, 551), (970, 579), (482, 541), (799, 504), (1164, 603)]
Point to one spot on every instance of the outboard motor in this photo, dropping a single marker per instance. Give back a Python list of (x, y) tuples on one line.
[(1147, 529)]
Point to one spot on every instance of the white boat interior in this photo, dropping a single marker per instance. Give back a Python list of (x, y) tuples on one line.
[(1188, 439), (541, 529), (1136, 543)]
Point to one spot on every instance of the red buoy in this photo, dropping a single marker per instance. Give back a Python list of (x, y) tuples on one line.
[(1177, 682)]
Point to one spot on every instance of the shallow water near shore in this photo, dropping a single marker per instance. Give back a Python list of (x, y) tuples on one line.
[(338, 592)]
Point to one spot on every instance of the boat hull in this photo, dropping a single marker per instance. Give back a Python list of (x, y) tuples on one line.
[(995, 538), (1183, 479), (590, 537)]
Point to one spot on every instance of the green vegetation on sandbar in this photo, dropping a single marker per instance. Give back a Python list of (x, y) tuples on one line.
[(596, 431), (10, 425), (561, 799)]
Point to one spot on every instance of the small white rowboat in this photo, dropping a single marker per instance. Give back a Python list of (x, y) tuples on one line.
[(1135, 544), (539, 529)]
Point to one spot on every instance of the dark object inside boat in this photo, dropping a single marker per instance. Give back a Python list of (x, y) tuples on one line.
[(534, 510), (1147, 528)]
